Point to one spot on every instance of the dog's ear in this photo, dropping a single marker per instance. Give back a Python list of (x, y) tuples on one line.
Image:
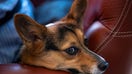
[(28, 29), (77, 11)]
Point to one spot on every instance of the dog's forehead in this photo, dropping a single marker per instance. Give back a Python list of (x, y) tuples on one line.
[(61, 31), (62, 28), (68, 28)]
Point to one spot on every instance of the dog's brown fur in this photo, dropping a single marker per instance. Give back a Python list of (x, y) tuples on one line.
[(46, 46)]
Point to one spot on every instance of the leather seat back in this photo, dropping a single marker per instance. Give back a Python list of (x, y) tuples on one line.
[(108, 27)]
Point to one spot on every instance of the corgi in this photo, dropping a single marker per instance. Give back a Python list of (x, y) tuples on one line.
[(59, 45)]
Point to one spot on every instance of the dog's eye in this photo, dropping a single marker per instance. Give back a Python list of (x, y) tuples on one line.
[(72, 50)]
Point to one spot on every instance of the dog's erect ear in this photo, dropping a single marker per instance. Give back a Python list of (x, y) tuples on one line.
[(77, 11), (28, 29)]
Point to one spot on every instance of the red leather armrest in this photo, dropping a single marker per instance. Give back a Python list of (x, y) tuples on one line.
[(26, 69)]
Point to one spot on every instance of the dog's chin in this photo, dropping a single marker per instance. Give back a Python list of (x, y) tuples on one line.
[(95, 70), (75, 71)]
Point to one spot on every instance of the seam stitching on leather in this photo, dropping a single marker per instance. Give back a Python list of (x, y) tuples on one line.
[(123, 32), (123, 36), (116, 29), (108, 39), (118, 24)]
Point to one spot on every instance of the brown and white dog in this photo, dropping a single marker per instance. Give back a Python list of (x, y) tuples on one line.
[(59, 45)]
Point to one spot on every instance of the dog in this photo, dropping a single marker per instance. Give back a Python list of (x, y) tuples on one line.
[(59, 45)]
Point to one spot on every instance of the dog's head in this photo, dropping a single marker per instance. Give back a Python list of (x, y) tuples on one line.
[(59, 45)]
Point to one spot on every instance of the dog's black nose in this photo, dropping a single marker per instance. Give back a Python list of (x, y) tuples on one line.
[(103, 66)]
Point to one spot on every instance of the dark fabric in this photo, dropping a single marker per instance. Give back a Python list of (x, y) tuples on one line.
[(52, 10), (9, 40)]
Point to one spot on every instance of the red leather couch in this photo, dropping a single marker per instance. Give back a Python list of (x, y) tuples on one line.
[(108, 27)]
